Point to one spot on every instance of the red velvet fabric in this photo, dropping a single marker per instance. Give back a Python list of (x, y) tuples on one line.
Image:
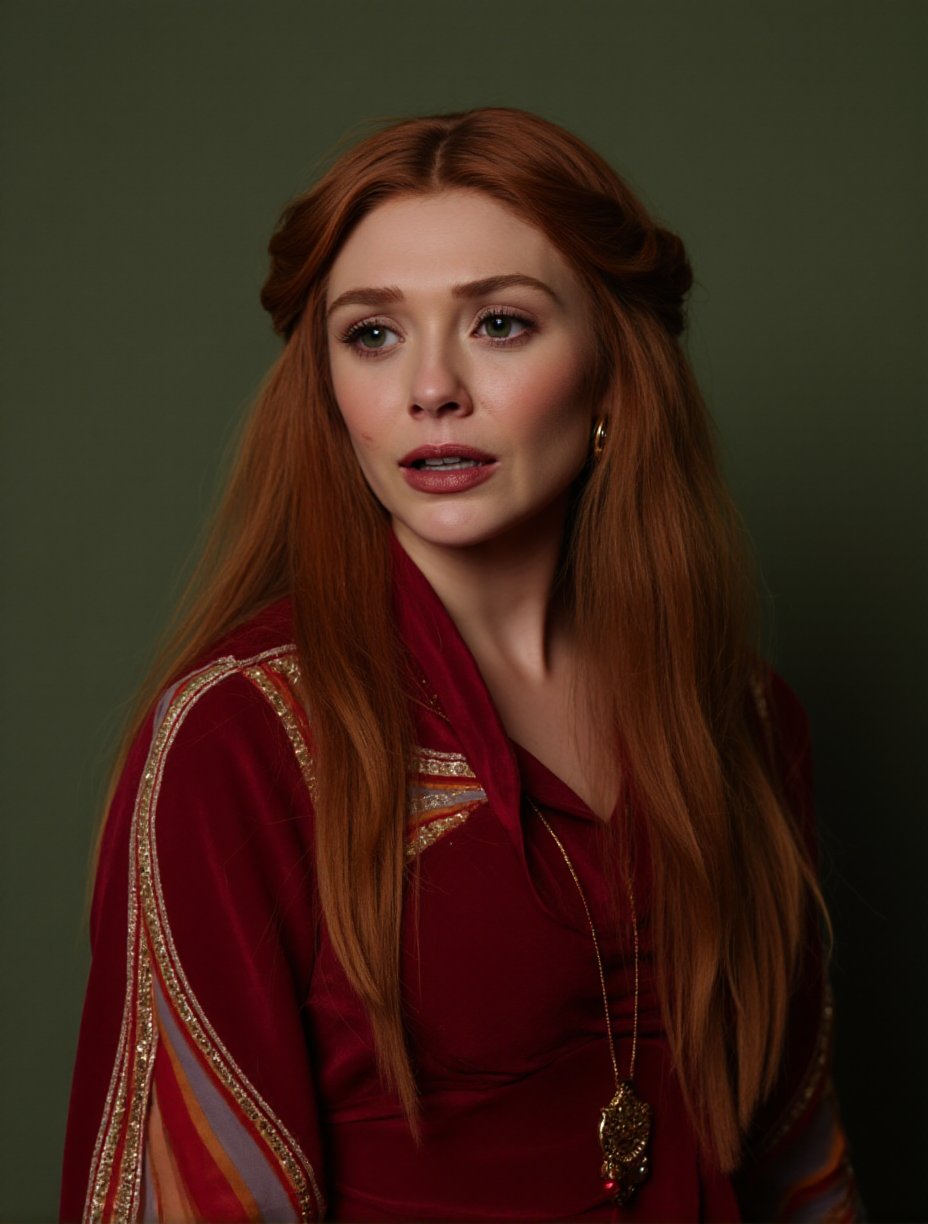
[(505, 1011)]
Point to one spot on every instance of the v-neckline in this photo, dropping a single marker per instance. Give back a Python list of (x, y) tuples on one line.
[(447, 663), (549, 789)]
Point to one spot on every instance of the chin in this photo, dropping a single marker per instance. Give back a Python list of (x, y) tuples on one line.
[(444, 535), (450, 527)]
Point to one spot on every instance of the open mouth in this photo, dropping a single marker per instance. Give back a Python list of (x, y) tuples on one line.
[(446, 457), (447, 468), (447, 463)]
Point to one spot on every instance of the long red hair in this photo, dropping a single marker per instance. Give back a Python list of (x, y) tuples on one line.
[(656, 583)]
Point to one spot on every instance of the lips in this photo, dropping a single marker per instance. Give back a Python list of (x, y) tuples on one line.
[(447, 468), (444, 456)]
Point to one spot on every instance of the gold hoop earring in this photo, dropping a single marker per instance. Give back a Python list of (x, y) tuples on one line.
[(599, 437)]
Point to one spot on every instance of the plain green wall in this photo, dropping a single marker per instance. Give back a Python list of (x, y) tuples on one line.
[(147, 150)]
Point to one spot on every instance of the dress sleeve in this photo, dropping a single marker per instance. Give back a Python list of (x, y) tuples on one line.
[(797, 1165), (193, 1095)]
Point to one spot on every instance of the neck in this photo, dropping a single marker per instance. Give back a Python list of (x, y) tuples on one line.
[(499, 593)]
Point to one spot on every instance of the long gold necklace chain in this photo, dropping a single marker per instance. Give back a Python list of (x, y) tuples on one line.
[(625, 1125)]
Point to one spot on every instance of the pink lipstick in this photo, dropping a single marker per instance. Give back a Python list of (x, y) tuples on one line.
[(447, 468)]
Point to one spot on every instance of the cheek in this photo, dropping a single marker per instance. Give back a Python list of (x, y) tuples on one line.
[(551, 408), (361, 436), (355, 409), (366, 457), (358, 407)]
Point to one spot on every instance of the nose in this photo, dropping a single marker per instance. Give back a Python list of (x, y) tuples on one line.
[(438, 387)]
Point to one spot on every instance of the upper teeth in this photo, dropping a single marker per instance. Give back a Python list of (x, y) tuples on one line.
[(450, 461)]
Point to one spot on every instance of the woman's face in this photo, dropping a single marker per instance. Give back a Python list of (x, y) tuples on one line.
[(459, 338)]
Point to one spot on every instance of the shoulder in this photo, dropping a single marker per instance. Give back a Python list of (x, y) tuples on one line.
[(222, 762), (804, 1060), (269, 630), (203, 931), (221, 691), (787, 736), (237, 703), (782, 712)]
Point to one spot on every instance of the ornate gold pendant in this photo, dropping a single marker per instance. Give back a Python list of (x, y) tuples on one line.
[(624, 1130)]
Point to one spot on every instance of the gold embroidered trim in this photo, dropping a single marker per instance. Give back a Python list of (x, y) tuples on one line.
[(114, 1107), (101, 1165), (276, 699), (434, 764), (427, 762), (759, 690), (145, 876), (432, 832), (185, 1002), (420, 805), (101, 1173), (813, 1077), (288, 665), (146, 1042), (432, 699)]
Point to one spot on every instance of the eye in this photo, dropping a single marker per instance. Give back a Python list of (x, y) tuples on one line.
[(504, 325), (370, 337)]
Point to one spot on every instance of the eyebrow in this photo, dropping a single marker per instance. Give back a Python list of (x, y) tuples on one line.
[(388, 294)]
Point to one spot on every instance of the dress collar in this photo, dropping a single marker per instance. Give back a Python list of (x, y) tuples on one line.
[(452, 677), (546, 788)]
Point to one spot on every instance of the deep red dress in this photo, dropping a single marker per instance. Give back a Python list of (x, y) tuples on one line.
[(225, 1069)]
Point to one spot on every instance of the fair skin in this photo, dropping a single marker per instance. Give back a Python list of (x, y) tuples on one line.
[(424, 355)]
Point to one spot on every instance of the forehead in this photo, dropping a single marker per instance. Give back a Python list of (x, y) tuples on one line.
[(433, 241)]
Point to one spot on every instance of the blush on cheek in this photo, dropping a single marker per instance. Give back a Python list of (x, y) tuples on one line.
[(557, 385)]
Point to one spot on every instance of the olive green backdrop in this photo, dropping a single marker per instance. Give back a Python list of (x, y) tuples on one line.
[(147, 149)]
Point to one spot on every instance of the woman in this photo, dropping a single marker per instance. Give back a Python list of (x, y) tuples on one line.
[(461, 865)]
